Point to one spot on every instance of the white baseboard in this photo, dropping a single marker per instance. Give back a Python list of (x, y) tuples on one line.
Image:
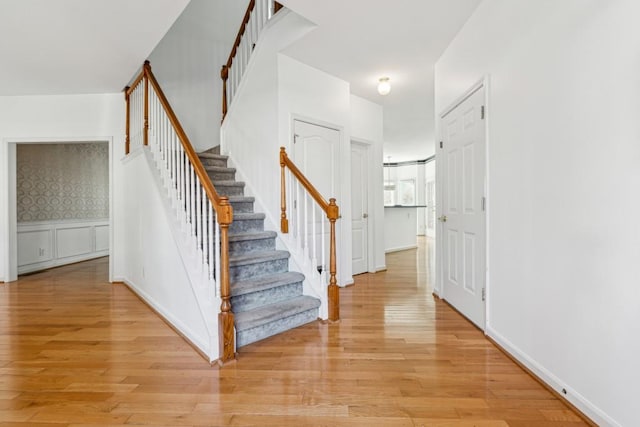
[(30, 268), (174, 322), (400, 248), (580, 402)]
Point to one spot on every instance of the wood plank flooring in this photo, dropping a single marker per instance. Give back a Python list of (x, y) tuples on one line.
[(78, 351)]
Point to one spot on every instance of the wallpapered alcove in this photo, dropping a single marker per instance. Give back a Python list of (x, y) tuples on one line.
[(62, 210)]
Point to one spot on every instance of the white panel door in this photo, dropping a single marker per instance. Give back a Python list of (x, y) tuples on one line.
[(315, 152), (359, 206), (462, 159)]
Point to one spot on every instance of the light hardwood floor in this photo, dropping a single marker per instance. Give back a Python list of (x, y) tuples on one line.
[(78, 351)]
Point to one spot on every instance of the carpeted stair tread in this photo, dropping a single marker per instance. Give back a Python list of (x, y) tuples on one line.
[(227, 183), (206, 155), (214, 150), (243, 216), (262, 283), (239, 199), (252, 235), (273, 312), (219, 169), (267, 298), (256, 257)]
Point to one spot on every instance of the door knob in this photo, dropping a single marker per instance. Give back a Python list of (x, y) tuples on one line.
[(364, 215), (442, 218)]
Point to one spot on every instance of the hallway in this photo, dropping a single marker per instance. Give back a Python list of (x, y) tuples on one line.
[(78, 351)]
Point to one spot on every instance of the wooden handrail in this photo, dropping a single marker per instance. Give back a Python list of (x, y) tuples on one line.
[(330, 209), (221, 205), (225, 215), (285, 161), (224, 72), (243, 26)]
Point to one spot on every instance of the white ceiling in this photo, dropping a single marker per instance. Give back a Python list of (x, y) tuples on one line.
[(78, 46), (359, 41), (362, 40)]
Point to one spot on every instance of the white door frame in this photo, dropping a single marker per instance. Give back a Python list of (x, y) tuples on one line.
[(371, 267), (439, 288), (10, 215)]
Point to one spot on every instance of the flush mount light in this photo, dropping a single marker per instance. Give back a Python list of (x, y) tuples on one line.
[(384, 86)]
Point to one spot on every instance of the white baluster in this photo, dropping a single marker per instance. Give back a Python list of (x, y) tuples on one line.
[(258, 16), (174, 181), (190, 200), (305, 198), (134, 118), (158, 127), (251, 30), (205, 245), (183, 190), (210, 258), (205, 228), (165, 144), (217, 255), (323, 254), (198, 214), (152, 123), (314, 242), (297, 208), (179, 183), (172, 163), (247, 39)]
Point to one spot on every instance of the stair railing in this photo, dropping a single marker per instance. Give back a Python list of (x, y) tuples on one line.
[(203, 214), (309, 229), (257, 14)]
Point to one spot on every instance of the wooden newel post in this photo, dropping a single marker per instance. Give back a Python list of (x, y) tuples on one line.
[(127, 141), (145, 135), (224, 75), (333, 214), (226, 333), (284, 222)]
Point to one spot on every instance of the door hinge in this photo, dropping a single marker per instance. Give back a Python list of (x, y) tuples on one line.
[(295, 137), (484, 294), (440, 144), (483, 203), (482, 112)]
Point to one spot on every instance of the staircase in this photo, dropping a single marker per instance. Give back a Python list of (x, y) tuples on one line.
[(266, 297)]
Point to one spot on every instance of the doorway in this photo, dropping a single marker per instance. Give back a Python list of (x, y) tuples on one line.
[(315, 153), (38, 242), (462, 213), (359, 207)]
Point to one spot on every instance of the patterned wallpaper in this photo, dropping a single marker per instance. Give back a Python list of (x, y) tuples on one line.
[(62, 181)]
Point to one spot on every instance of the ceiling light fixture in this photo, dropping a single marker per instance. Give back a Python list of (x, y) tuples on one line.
[(384, 86)]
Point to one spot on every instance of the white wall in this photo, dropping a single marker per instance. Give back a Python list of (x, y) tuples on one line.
[(400, 229), (55, 118), (46, 244), (366, 126), (308, 93), (563, 147), (187, 63), (154, 266)]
